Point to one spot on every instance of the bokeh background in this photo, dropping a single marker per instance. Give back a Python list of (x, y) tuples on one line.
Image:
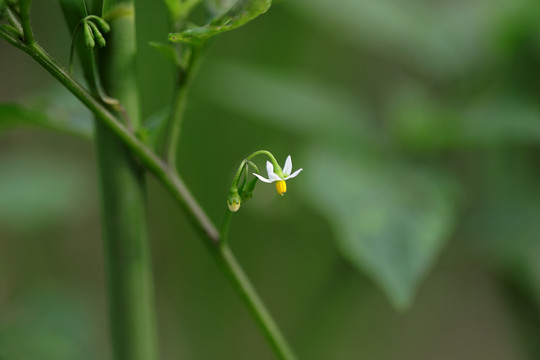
[(413, 232)]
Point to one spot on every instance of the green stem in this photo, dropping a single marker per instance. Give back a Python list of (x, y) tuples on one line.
[(267, 153), (247, 292), (241, 168), (14, 20), (25, 20), (225, 225), (238, 278), (176, 186), (127, 249), (185, 75), (172, 133)]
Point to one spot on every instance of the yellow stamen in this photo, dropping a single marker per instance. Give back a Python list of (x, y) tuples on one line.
[(281, 187)]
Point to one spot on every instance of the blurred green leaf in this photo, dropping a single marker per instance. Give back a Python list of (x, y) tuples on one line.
[(153, 127), (168, 51), (14, 115), (242, 12), (419, 121), (174, 7), (290, 102), (180, 9), (391, 219), (47, 326), (37, 190), (505, 220), (439, 39), (218, 7), (3, 5)]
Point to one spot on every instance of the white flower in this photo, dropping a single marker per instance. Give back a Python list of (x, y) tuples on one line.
[(281, 186)]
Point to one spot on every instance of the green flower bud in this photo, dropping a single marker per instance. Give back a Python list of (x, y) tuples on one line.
[(88, 36), (234, 200), (100, 39), (102, 24), (247, 191)]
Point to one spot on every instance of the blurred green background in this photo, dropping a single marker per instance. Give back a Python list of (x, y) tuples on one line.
[(412, 233)]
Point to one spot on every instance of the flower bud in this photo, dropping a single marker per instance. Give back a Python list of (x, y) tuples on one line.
[(234, 200), (88, 35), (247, 191), (102, 24), (97, 35)]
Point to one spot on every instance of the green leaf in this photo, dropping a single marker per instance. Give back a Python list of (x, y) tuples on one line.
[(174, 7), (419, 121), (168, 51), (504, 223), (38, 189), (241, 13), (14, 115), (392, 30), (288, 101), (217, 8), (180, 9), (47, 325), (3, 6), (153, 128), (391, 219)]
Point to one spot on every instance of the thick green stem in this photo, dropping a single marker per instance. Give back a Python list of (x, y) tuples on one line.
[(176, 186), (127, 249)]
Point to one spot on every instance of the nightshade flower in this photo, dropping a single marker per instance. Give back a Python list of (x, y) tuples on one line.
[(280, 176)]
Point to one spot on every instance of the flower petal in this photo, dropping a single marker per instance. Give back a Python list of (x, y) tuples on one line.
[(263, 179), (269, 169), (294, 174), (288, 166), (275, 177), (271, 174)]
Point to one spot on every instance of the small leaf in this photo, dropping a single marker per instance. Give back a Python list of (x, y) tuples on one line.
[(153, 128), (168, 51), (14, 115), (391, 220), (241, 13)]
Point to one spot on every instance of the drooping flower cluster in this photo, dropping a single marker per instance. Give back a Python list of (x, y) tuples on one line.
[(242, 189)]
